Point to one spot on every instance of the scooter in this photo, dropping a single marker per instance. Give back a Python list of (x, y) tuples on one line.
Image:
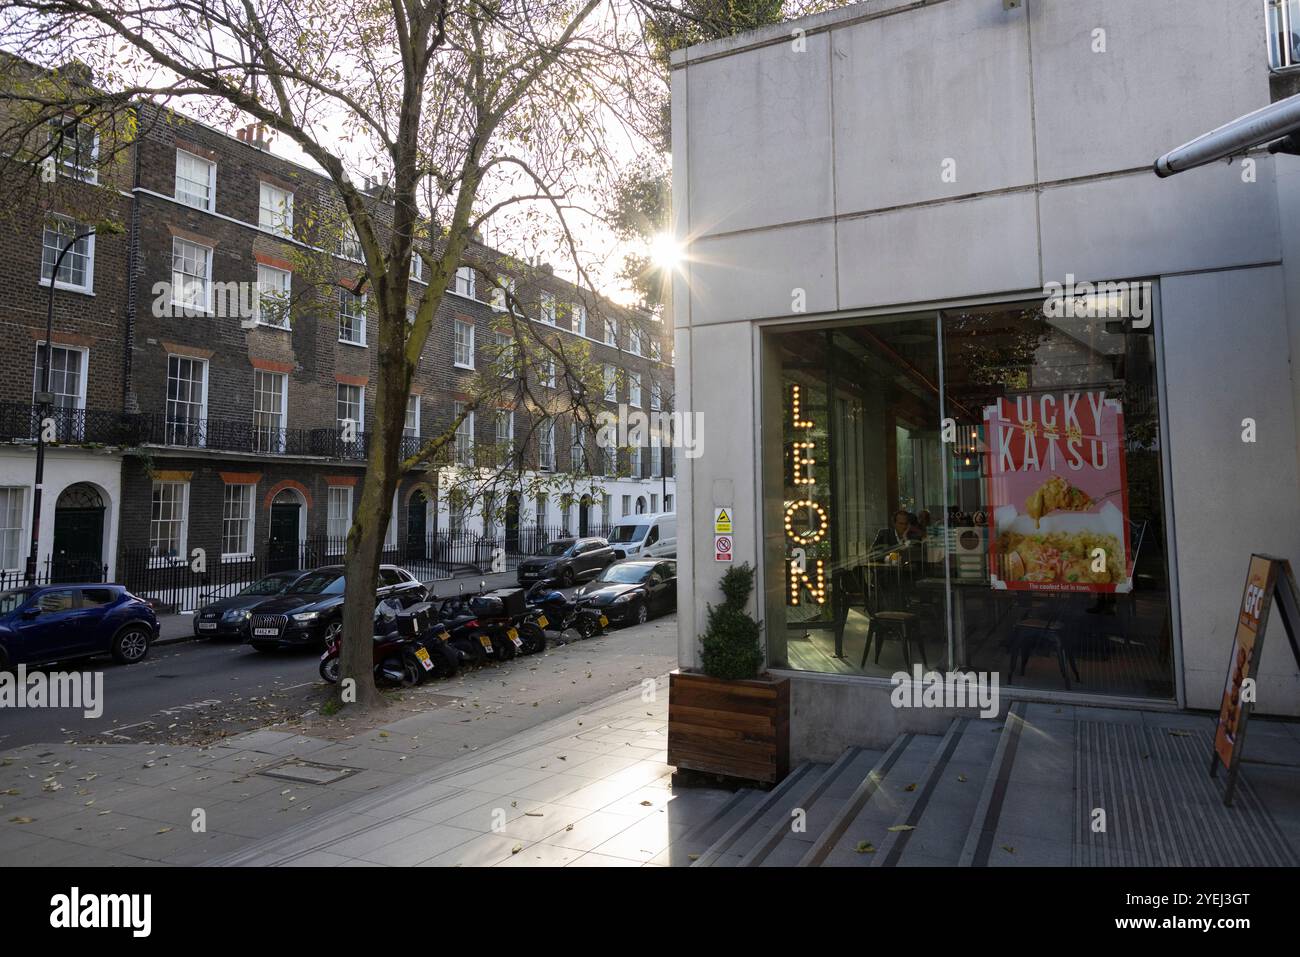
[(560, 614), (400, 657)]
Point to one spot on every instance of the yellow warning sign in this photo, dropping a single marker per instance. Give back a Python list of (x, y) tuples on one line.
[(722, 521)]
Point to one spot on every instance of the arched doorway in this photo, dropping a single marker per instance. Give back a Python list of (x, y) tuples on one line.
[(288, 530), (584, 516), (78, 550), (640, 504)]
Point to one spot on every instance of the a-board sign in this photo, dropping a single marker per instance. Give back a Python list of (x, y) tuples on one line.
[(1269, 580)]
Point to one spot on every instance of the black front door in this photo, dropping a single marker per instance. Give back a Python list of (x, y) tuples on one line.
[(78, 545), (283, 551), (584, 516), (417, 531), (512, 522)]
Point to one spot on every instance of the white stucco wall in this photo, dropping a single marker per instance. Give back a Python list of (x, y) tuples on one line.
[(64, 467), (815, 166)]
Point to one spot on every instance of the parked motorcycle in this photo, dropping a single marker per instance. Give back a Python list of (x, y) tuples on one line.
[(553, 610), (400, 657)]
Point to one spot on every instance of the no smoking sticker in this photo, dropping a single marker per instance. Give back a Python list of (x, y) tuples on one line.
[(722, 548)]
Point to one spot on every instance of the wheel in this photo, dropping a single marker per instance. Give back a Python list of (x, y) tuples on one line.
[(412, 671), (446, 662), (471, 650), (333, 630), (264, 646), (533, 637), (131, 645), (585, 627), (642, 613), (567, 578), (329, 669)]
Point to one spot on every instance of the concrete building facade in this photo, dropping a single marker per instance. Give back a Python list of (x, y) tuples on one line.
[(880, 206)]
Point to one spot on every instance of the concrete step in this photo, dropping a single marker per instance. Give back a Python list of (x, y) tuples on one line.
[(787, 839), (697, 841), (1026, 813), (748, 824), (946, 799), (882, 797)]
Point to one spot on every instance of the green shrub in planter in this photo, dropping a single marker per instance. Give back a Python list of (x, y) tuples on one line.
[(731, 646)]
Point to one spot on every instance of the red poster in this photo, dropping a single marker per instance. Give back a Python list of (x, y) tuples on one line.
[(1058, 493)]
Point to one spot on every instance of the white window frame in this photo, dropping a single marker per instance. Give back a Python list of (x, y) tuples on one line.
[(465, 282), (203, 401), (17, 532), (506, 356), (417, 267), (88, 245), (464, 441), (546, 446), (390, 533), (275, 216), (182, 537), (283, 414), (349, 243), (611, 332), (634, 344), (578, 450), (611, 383), (656, 396), (281, 281), (543, 510), (247, 552), (358, 319), (38, 381), (546, 372), (211, 204), (456, 330), (580, 319), (177, 244), (546, 309), (499, 301), (507, 441), (360, 419), (634, 462), (73, 170), (634, 390), (337, 544), (406, 422)]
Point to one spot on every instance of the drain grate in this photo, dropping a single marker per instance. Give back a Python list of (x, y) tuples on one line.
[(307, 772)]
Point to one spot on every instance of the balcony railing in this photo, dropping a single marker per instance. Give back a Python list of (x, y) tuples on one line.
[(20, 422)]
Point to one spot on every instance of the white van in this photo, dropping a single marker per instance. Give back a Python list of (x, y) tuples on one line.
[(645, 536)]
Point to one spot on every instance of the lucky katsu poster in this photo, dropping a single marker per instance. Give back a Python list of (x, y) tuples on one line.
[(1058, 493)]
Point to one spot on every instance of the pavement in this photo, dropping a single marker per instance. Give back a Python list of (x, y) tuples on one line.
[(141, 803)]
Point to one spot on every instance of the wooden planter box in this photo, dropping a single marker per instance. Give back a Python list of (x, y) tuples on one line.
[(736, 729)]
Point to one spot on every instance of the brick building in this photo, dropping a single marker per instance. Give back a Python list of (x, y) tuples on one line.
[(215, 371)]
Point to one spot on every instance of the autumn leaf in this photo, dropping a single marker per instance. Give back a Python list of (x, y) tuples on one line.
[(910, 787), (865, 847), (903, 827), (21, 820)]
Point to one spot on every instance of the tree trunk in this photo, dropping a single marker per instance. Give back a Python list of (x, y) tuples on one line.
[(365, 547)]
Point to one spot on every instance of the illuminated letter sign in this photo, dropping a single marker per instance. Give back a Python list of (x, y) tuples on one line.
[(804, 575)]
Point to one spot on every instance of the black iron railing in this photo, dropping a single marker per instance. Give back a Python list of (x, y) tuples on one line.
[(22, 422)]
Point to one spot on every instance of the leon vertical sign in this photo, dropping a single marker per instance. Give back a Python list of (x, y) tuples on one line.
[(1267, 579)]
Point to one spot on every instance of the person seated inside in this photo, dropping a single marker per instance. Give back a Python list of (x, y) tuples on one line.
[(898, 537)]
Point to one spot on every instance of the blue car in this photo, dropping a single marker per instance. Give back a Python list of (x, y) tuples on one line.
[(56, 622)]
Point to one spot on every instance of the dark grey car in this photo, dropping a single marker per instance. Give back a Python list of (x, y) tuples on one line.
[(567, 560)]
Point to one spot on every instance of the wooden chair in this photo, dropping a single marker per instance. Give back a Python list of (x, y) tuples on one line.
[(896, 626)]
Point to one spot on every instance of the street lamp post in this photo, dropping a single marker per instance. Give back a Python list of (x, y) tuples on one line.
[(44, 400)]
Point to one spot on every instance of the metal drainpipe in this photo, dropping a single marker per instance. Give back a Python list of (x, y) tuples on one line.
[(132, 292)]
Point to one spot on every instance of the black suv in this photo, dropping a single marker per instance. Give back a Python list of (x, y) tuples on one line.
[(228, 617), (567, 560), (310, 611)]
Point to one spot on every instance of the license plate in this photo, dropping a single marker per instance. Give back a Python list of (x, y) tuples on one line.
[(486, 642), (603, 621), (207, 626), (444, 635), (266, 631), (324, 655), (425, 660), (513, 635), (542, 621)]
